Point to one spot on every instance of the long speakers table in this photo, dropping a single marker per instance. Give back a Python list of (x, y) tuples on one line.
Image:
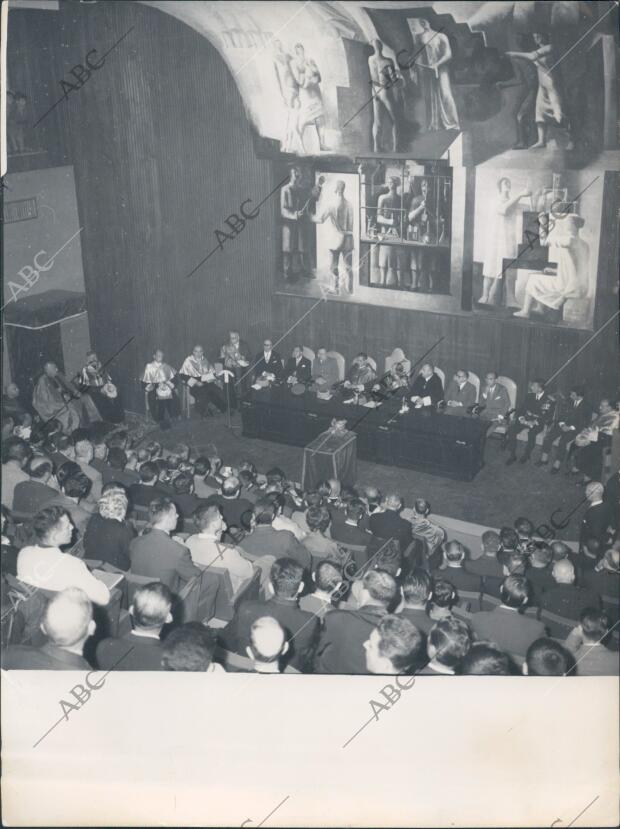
[(433, 442)]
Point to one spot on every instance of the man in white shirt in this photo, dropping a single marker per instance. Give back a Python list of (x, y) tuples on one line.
[(207, 550), (46, 567), (15, 456), (199, 375)]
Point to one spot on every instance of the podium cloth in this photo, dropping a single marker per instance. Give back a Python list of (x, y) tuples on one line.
[(330, 456)]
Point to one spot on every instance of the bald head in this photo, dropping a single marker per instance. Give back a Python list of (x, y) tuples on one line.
[(267, 639), (68, 617), (563, 571), (594, 491)]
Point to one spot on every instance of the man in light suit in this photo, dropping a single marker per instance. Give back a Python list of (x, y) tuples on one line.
[(461, 394), (494, 397), (268, 362), (298, 368), (326, 368), (156, 554)]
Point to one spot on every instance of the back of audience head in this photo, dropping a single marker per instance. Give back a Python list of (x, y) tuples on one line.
[(355, 510), (118, 440), (313, 499), (286, 577), (248, 520), (592, 548), (393, 501), (327, 576), (77, 486), (610, 561), (275, 475), (395, 646), (17, 450), (67, 470), (265, 512), (246, 478), (189, 647), (491, 543), (113, 504), (559, 550), (41, 468), (68, 618), (84, 451), (546, 657), (485, 659), (416, 588), (267, 640), (277, 499), (148, 472), (183, 483), (515, 592), (318, 519), (324, 489), (388, 558), (443, 594), (564, 571), (117, 458), (594, 624), (379, 587), (151, 607), (449, 641), (541, 556), (515, 564), (231, 487), (163, 511), (202, 466)]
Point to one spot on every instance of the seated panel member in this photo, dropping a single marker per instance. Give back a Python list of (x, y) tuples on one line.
[(361, 376), (235, 354), (494, 397), (158, 380), (571, 420), (427, 388), (268, 362), (461, 394), (199, 375), (326, 368), (298, 368), (535, 413)]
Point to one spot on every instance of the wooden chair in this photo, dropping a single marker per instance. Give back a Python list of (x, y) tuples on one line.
[(558, 626), (373, 364), (337, 356), (475, 381), (397, 356)]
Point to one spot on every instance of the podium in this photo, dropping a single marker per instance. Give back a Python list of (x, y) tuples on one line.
[(330, 456)]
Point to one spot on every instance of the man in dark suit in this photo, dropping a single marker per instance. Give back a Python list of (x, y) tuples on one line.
[(230, 504), (349, 530), (67, 623), (427, 388), (141, 648), (341, 646), (158, 556), (184, 498), (461, 394), (268, 362), (535, 414), (298, 368), (572, 418), (504, 625), (455, 571), (612, 495), (31, 496), (487, 564), (599, 519), (389, 524), (539, 574), (416, 590), (586, 642), (147, 490), (565, 598), (326, 368), (264, 540), (301, 628)]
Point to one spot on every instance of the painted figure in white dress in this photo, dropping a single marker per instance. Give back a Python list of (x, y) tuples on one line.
[(433, 56)]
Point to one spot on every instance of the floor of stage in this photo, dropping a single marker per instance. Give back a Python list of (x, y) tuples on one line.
[(498, 494)]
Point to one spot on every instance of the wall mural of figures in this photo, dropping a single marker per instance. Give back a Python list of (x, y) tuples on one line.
[(536, 240)]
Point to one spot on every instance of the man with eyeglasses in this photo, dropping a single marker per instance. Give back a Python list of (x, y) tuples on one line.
[(268, 363)]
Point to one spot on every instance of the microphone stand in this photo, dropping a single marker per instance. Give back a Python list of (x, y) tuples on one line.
[(227, 374)]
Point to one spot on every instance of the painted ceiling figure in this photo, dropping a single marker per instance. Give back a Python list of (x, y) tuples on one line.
[(289, 90), (435, 54), (311, 111)]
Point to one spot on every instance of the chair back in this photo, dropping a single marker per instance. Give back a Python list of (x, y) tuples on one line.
[(511, 388), (308, 353), (558, 626), (225, 600), (469, 600), (341, 363), (249, 590), (442, 376), (397, 356), (189, 596), (475, 381), (30, 602), (373, 363)]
